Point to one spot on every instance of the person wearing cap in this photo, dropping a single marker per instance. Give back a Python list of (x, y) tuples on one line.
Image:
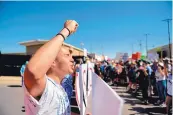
[(161, 83)]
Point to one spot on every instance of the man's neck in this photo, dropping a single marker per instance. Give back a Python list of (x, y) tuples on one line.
[(57, 79)]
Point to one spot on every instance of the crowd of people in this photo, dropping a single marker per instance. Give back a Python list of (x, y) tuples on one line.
[(151, 77)]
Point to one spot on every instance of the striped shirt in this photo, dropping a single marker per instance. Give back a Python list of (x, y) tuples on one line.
[(54, 101)]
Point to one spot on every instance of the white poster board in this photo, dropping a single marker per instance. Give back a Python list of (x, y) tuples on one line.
[(100, 99), (82, 89), (153, 56), (105, 101)]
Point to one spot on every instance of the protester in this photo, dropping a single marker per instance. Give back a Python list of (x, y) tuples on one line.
[(109, 72), (78, 62), (122, 73), (154, 67), (132, 76), (47, 68), (149, 70), (169, 94), (142, 75), (67, 85), (168, 73), (161, 83)]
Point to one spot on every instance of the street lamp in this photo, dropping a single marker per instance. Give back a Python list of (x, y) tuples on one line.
[(140, 46)]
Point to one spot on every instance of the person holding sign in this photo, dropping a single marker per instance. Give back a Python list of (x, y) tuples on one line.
[(44, 94)]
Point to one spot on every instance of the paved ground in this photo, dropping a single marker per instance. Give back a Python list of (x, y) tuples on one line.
[(11, 96), (134, 106), (11, 100)]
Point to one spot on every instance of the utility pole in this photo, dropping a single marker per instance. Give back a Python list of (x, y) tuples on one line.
[(140, 45), (146, 35), (168, 21)]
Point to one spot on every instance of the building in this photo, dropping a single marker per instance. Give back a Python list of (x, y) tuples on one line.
[(33, 45), (162, 51)]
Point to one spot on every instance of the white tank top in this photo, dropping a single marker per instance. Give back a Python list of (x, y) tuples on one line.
[(159, 77)]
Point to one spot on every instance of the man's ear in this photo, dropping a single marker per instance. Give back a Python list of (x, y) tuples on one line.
[(53, 64)]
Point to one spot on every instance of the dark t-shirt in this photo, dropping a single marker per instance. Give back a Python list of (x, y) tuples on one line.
[(132, 74), (143, 79)]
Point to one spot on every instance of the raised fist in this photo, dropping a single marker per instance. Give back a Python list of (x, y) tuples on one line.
[(71, 25)]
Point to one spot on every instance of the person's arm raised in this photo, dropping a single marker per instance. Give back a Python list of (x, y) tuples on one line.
[(42, 60)]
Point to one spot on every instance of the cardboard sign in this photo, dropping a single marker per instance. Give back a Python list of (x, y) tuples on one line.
[(153, 56)]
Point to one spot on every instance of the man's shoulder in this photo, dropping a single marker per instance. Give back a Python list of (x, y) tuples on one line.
[(49, 92)]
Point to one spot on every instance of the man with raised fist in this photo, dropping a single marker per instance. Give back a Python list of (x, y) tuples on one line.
[(44, 94)]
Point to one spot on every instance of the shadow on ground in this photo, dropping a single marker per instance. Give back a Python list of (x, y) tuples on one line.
[(149, 111), (75, 110), (14, 86)]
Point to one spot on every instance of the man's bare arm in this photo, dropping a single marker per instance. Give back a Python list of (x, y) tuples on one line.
[(42, 60)]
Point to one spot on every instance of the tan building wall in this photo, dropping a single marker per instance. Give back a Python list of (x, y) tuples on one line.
[(33, 45), (32, 49), (77, 53), (161, 48)]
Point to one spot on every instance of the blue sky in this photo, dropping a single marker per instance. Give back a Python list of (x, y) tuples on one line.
[(105, 27)]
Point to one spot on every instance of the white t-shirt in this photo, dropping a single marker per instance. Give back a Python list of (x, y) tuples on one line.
[(159, 77), (169, 85), (169, 67), (54, 101)]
